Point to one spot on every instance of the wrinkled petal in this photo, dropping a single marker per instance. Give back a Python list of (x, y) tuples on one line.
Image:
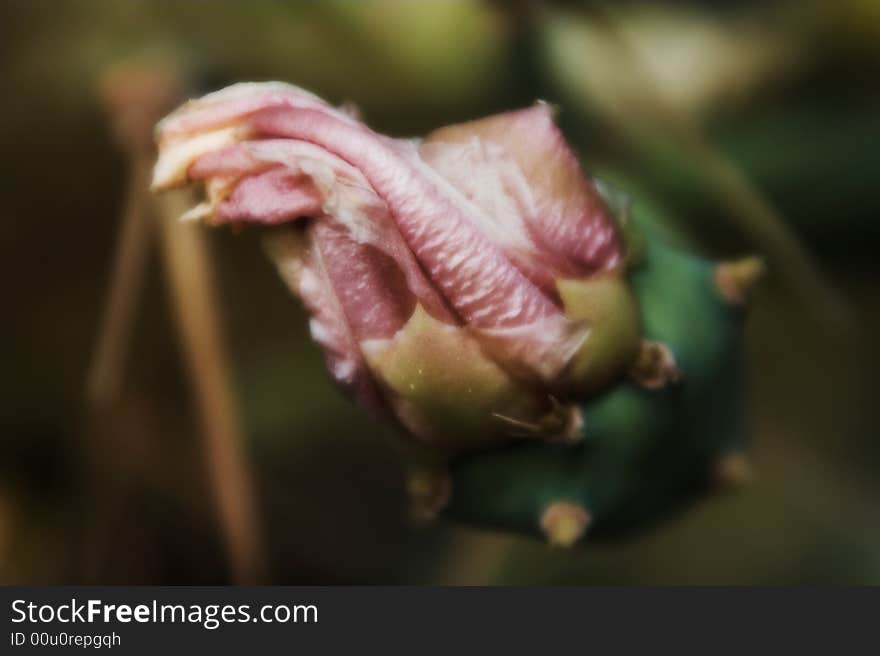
[(491, 180), (213, 121), (522, 158), (485, 289), (309, 181)]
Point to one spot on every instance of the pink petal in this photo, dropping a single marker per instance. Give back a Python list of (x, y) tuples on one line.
[(353, 291), (233, 103), (485, 289), (215, 120), (271, 197), (308, 181), (300, 267), (492, 182), (370, 287), (565, 216)]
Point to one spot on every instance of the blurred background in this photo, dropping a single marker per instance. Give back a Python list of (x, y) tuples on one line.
[(743, 126)]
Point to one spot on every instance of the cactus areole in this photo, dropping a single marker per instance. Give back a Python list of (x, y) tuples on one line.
[(479, 291)]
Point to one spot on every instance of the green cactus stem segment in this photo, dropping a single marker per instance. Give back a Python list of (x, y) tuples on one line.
[(564, 523), (654, 367), (736, 280)]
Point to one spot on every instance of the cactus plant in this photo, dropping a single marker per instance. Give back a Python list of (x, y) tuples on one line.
[(646, 450), (555, 365)]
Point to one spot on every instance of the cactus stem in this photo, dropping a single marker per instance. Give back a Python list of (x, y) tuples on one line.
[(429, 490), (654, 366), (564, 523), (563, 423), (735, 280), (733, 471)]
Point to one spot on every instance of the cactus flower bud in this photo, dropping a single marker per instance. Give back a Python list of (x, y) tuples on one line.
[(471, 284), (474, 287)]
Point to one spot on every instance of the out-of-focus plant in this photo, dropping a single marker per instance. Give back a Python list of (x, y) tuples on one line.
[(652, 76), (430, 58)]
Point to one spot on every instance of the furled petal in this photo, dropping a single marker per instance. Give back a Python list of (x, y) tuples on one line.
[(490, 179), (519, 167), (481, 284), (292, 179), (215, 120), (439, 225), (230, 105)]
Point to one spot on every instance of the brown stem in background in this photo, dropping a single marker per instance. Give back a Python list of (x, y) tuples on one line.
[(191, 283), (105, 375), (136, 93), (106, 467)]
